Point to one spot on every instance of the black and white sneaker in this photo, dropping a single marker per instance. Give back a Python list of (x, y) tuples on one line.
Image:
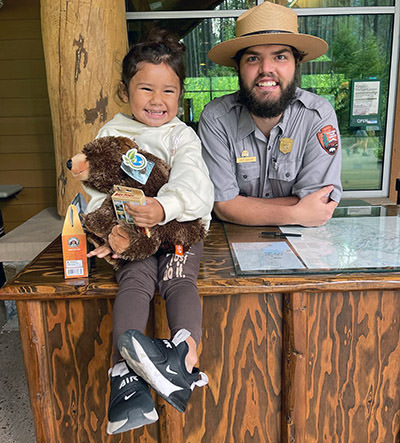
[(162, 364), (131, 405)]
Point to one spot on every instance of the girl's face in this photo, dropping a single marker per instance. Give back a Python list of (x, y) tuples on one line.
[(153, 94)]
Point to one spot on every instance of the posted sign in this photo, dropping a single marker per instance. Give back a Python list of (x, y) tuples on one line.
[(364, 106)]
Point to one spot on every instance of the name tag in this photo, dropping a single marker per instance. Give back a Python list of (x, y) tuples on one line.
[(245, 159)]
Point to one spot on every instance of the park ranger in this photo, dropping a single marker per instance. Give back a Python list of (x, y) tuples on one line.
[(272, 149)]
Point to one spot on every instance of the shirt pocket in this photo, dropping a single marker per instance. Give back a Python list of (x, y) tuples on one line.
[(283, 169), (248, 177)]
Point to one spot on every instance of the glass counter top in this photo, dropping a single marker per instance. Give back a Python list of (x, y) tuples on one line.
[(356, 239)]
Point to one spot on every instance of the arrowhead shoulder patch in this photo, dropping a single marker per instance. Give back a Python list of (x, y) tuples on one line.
[(328, 139)]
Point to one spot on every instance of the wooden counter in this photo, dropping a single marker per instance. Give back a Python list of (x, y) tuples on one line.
[(306, 358)]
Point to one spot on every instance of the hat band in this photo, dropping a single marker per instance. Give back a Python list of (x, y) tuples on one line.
[(267, 32)]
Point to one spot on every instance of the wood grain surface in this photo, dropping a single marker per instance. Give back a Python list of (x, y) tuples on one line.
[(44, 278)]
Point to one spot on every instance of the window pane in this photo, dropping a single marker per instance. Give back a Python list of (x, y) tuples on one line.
[(185, 5), (359, 49), (333, 3), (236, 4), (201, 5)]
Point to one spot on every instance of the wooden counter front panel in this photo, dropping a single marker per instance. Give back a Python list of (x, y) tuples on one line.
[(70, 348), (241, 353), (349, 342), (67, 356), (353, 363)]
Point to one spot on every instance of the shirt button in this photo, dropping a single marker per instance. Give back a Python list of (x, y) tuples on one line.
[(269, 148), (287, 174)]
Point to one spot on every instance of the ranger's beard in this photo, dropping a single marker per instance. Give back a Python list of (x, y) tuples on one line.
[(267, 108)]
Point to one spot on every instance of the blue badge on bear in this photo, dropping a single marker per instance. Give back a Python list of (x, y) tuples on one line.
[(137, 166)]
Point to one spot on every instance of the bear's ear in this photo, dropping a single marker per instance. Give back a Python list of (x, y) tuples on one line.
[(126, 144)]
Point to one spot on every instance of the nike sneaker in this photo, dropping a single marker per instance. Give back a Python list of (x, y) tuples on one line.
[(161, 363), (131, 405)]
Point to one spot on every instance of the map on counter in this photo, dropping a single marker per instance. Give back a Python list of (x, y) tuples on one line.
[(355, 242), (265, 256)]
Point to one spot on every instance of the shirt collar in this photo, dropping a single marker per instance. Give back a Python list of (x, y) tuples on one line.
[(246, 124), (283, 122)]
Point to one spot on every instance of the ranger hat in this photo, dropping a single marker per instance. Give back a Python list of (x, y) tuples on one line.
[(267, 24)]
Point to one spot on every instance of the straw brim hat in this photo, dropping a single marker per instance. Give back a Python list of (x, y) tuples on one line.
[(267, 24)]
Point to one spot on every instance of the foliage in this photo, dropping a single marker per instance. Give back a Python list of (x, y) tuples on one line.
[(200, 90)]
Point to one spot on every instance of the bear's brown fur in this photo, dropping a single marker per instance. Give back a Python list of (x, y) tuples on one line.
[(98, 166)]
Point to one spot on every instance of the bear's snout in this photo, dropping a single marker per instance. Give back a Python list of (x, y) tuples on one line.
[(79, 166)]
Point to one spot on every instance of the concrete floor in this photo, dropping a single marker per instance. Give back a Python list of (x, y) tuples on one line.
[(16, 422)]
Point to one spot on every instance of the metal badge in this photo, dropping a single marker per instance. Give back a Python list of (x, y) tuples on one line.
[(285, 145)]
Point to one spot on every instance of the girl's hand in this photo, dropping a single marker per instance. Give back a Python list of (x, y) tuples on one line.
[(148, 215), (101, 252)]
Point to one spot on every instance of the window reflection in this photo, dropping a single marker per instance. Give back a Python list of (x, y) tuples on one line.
[(334, 3), (359, 48), (184, 5), (193, 5)]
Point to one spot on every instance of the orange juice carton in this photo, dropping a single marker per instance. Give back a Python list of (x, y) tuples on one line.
[(124, 195), (74, 245)]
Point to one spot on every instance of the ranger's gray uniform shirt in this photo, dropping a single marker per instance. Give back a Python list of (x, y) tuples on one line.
[(301, 156)]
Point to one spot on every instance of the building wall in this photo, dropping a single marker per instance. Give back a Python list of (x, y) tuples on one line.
[(26, 143)]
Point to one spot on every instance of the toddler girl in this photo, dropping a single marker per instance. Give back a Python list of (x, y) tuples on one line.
[(152, 84)]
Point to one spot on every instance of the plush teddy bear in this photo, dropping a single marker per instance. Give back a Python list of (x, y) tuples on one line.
[(108, 161)]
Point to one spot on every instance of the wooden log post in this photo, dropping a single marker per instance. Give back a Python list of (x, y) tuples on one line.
[(84, 44)]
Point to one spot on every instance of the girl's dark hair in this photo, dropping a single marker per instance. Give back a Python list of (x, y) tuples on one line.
[(158, 46)]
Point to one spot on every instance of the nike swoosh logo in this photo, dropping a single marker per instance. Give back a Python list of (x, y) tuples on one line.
[(127, 397), (170, 371)]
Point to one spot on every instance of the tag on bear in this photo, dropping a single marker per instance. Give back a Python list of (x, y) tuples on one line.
[(137, 166), (74, 245)]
